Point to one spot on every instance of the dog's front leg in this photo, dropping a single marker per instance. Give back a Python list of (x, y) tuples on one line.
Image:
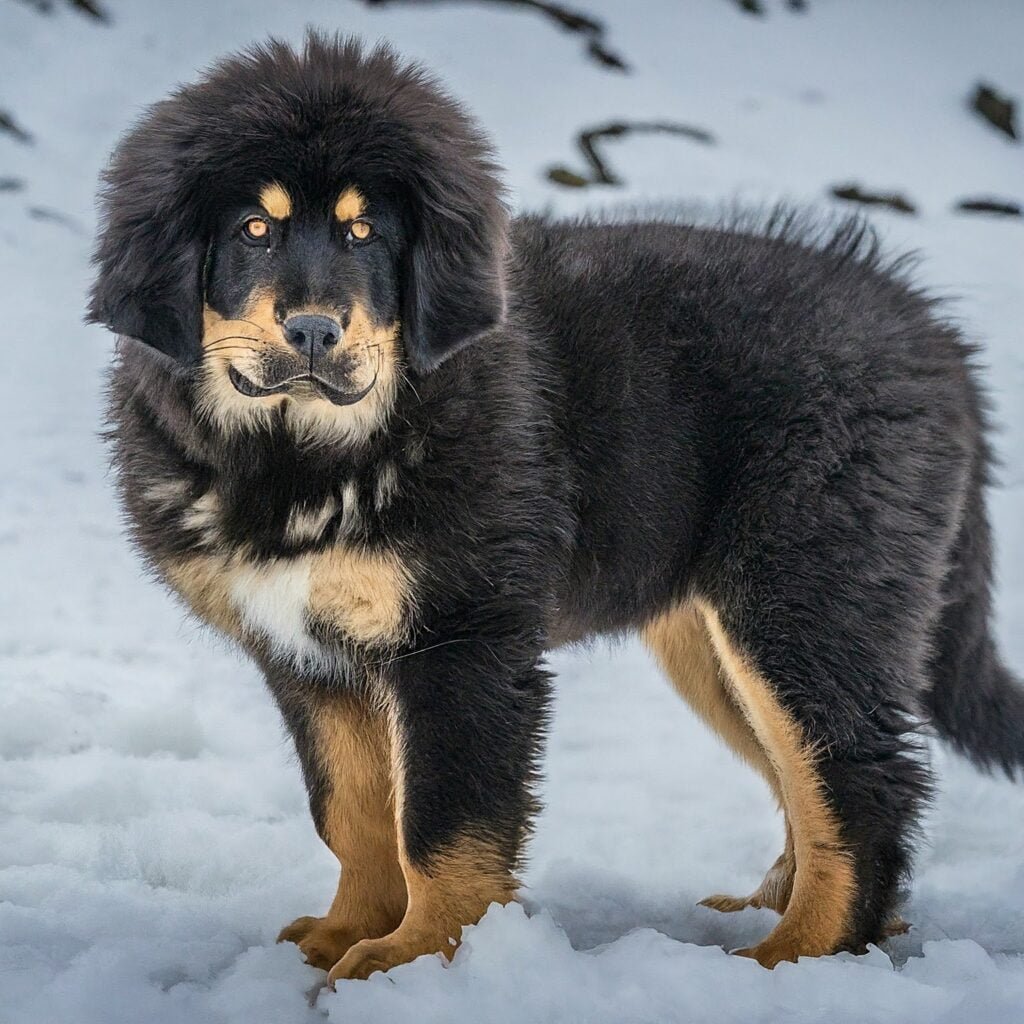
[(344, 743), (466, 722)]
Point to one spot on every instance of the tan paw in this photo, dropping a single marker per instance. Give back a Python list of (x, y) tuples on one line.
[(772, 953), (788, 943), (773, 892), (323, 943), (780, 947), (730, 904), (400, 947)]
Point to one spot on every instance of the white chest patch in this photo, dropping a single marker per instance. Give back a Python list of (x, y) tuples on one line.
[(366, 598), (272, 600)]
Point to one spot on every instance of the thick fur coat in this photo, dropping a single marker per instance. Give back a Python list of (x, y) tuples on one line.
[(398, 446)]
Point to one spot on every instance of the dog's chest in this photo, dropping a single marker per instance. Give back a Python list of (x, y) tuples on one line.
[(314, 588)]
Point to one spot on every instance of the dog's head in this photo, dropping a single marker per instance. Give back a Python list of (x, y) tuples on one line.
[(297, 228)]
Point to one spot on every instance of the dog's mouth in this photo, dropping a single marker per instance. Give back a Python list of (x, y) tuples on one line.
[(322, 388)]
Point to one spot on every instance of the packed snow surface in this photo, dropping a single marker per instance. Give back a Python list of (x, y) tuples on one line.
[(154, 833)]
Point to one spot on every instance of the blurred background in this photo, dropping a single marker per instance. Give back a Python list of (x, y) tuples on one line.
[(153, 828)]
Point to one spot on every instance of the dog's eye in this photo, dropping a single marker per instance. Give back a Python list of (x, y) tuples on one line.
[(256, 229), (360, 230)]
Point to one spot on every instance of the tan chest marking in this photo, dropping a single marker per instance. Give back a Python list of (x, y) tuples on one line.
[(203, 582), (366, 596)]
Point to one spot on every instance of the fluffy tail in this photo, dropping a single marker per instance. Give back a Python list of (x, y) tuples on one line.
[(975, 702)]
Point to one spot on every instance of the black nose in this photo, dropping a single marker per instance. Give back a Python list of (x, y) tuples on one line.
[(312, 335)]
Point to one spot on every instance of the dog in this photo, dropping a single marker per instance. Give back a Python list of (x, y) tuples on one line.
[(398, 445)]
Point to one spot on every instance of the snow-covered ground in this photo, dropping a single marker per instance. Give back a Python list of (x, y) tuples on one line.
[(154, 834)]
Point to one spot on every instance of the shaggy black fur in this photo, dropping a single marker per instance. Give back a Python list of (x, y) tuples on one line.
[(773, 421)]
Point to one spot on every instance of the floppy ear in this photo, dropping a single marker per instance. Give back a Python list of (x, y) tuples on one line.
[(455, 290), (150, 288), (149, 254)]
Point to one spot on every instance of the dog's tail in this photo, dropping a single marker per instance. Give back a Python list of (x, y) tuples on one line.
[(975, 702)]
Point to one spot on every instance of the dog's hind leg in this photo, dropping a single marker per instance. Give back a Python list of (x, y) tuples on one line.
[(680, 641), (849, 775)]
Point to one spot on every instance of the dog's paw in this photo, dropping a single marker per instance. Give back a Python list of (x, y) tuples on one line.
[(772, 952), (773, 892), (401, 946), (323, 942), (730, 904)]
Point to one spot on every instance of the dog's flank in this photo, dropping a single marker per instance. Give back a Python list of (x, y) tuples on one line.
[(398, 446)]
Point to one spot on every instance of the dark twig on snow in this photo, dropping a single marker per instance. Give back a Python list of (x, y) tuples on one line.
[(55, 217), (571, 21), (9, 125), (997, 109), (87, 7), (11, 184), (599, 171), (758, 8), (1004, 207), (855, 194)]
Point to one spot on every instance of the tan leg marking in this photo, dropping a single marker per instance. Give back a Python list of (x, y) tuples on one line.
[(454, 891), (817, 917), (276, 201), (680, 641), (354, 750), (350, 205)]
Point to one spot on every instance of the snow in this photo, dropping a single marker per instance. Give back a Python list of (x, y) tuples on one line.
[(154, 834)]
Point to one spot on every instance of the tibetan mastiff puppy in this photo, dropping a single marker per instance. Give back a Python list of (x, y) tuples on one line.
[(397, 446)]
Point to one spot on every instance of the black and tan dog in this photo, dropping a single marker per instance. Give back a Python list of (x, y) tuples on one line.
[(397, 447)]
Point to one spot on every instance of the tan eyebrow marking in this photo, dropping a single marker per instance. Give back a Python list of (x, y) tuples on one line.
[(276, 201), (350, 205)]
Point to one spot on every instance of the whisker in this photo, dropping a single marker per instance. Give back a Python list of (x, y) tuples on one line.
[(242, 320), (221, 350), (232, 337), (432, 647), (220, 346), (227, 350)]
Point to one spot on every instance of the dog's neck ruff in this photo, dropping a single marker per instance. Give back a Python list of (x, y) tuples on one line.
[(280, 545)]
